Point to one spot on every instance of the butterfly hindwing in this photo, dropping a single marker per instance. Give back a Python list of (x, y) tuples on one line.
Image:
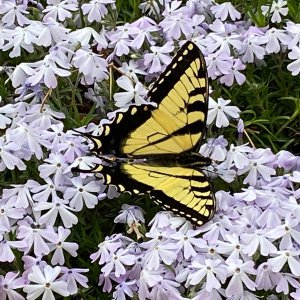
[(182, 190)]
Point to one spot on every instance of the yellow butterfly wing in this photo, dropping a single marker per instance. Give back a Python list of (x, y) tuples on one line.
[(178, 122)]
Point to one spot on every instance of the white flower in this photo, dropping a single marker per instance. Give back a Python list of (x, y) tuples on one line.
[(47, 69), (294, 66), (258, 166), (222, 11), (58, 206), (220, 111), (47, 283), (92, 65), (82, 192), (19, 38), (13, 12), (276, 10), (283, 257), (85, 34), (60, 245), (276, 37), (136, 92)]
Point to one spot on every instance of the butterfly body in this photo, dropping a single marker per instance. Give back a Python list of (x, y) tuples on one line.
[(153, 149)]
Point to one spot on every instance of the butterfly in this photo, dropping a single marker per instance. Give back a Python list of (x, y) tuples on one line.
[(154, 149)]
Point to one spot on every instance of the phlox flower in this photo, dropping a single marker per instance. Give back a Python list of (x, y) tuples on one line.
[(8, 156), (222, 11), (259, 166), (120, 46), (151, 8), (163, 251), (72, 148), (176, 25), (125, 288), (35, 235), (287, 160), (223, 38), (213, 231), (158, 235), (19, 38), (4, 120), (61, 10), (239, 271), (30, 261), (294, 66), (145, 33), (83, 163), (82, 191), (285, 256), (49, 32), (218, 64), (47, 70), (109, 245), (33, 137), (59, 245), (220, 112), (277, 9), (136, 92), (237, 155), (132, 69), (21, 73), (8, 284), (117, 262), (187, 242), (257, 240), (294, 32), (211, 270), (296, 295), (148, 279), (92, 65), (215, 148), (266, 279), (130, 214), (165, 288), (231, 247), (46, 282), (54, 165), (6, 246), (28, 91), (13, 13), (9, 213), (152, 61), (57, 206), (287, 232), (276, 37), (72, 277), (22, 192), (286, 281), (253, 47), (84, 35), (234, 74), (96, 9)]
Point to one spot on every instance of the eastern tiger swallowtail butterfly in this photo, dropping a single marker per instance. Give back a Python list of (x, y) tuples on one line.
[(154, 150)]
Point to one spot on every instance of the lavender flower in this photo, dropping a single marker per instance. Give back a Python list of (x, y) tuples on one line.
[(46, 282)]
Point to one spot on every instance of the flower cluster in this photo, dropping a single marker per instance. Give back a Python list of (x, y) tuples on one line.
[(59, 57)]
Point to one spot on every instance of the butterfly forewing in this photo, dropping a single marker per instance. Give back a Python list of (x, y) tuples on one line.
[(176, 125)]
